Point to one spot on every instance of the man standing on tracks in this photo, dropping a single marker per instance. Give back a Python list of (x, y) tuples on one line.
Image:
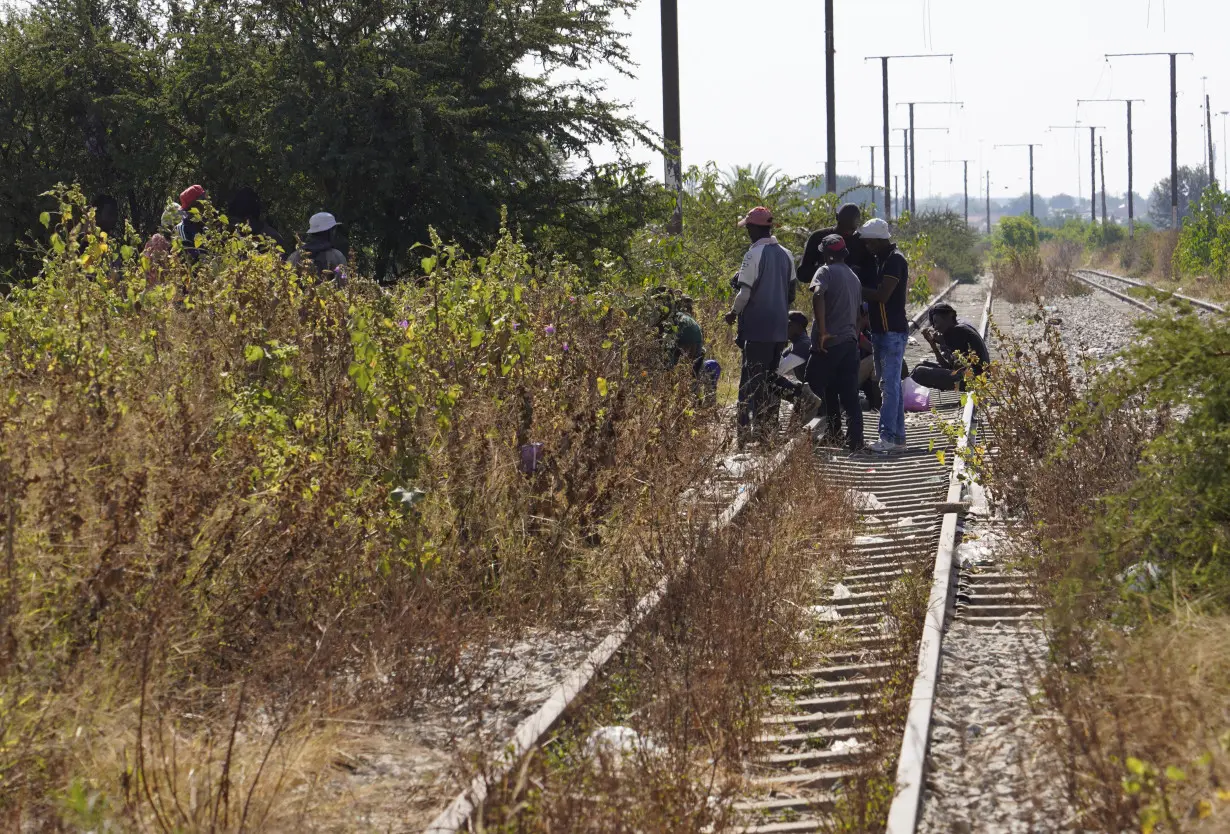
[(960, 352), (889, 330), (858, 257), (833, 370), (765, 285)]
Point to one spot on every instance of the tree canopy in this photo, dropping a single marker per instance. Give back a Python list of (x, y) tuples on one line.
[(1192, 182), (395, 116)]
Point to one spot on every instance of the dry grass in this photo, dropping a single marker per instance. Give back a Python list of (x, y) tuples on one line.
[(1158, 697), (693, 684), (1033, 277)]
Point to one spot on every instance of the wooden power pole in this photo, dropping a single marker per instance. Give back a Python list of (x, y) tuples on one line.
[(884, 59), (1174, 126)]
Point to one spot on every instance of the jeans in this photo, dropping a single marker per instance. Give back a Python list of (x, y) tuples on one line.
[(889, 354), (932, 375), (756, 401), (834, 373)]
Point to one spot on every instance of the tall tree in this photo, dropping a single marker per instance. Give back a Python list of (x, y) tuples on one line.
[(1192, 182), (395, 115)]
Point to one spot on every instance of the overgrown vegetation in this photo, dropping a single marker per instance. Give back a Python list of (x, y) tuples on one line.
[(1027, 271), (949, 240), (1119, 478), (235, 499)]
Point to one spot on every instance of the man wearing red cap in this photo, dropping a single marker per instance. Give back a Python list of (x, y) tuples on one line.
[(765, 285), (189, 228)]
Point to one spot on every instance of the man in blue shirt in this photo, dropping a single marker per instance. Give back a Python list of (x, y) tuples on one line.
[(889, 330)]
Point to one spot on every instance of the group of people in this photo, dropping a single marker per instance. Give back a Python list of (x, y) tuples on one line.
[(858, 280), (320, 248)]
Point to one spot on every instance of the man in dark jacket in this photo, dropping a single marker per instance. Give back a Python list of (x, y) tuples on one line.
[(245, 209), (859, 258)]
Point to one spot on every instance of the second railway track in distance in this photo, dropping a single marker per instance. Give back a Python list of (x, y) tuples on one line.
[(817, 737), (1122, 288)]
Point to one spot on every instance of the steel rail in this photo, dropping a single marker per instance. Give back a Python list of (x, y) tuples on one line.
[(906, 806), (1132, 282), (533, 729)]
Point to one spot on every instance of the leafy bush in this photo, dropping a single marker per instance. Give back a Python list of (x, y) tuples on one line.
[(1203, 248), (1105, 234), (950, 242), (1016, 237)]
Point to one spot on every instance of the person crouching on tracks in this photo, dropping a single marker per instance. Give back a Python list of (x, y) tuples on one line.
[(889, 330), (833, 370), (960, 352), (800, 345), (765, 285)]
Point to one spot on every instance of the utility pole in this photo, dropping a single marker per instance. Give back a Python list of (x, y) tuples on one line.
[(872, 149), (1212, 161), (907, 142), (884, 59), (988, 202), (964, 162), (896, 185), (670, 110), (1093, 163), (1031, 146), (1102, 156), (830, 167), (1130, 195), (913, 157), (905, 166), (912, 187), (1174, 125)]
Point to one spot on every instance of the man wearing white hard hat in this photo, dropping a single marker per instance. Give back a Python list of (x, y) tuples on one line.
[(319, 248), (890, 329)]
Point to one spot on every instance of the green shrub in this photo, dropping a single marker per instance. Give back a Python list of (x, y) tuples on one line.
[(1105, 234), (949, 242), (1203, 248), (1016, 238)]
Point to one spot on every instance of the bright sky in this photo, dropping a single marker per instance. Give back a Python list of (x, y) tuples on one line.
[(752, 85)]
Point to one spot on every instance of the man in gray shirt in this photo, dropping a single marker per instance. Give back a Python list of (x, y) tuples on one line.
[(765, 287), (833, 369)]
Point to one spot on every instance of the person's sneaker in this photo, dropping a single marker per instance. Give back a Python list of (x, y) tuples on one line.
[(882, 447), (902, 447)]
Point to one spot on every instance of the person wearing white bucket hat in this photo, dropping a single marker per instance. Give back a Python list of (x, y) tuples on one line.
[(889, 330), (319, 247)]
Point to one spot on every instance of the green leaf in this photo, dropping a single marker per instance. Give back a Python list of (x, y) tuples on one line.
[(1135, 766), (939, 455), (602, 387), (476, 338), (429, 264), (45, 219), (1175, 774), (254, 353)]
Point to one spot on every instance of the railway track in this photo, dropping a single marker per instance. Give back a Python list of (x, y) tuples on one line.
[(817, 736), (1121, 287)]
